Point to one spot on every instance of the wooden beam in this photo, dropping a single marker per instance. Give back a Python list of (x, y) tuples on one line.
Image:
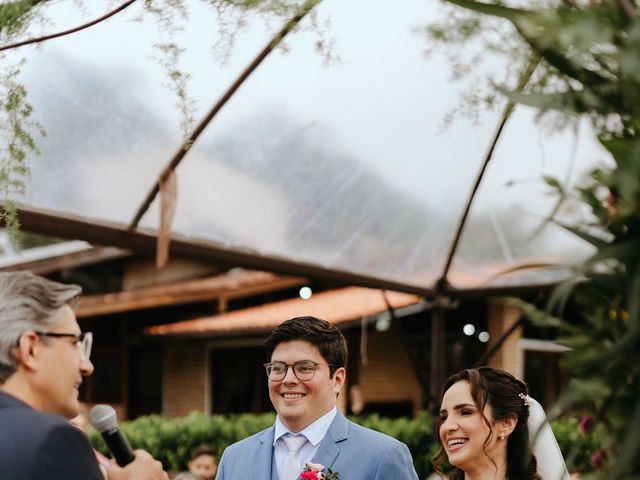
[(236, 285), (44, 266), (144, 242)]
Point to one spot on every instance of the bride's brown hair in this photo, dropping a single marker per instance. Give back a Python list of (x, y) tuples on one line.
[(501, 391)]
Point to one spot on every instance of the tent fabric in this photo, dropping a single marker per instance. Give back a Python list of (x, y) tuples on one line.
[(342, 167)]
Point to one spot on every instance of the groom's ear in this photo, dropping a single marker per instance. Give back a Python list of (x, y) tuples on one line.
[(338, 379)]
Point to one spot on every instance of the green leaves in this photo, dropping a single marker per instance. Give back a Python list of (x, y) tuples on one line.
[(14, 15), (592, 68), (17, 130)]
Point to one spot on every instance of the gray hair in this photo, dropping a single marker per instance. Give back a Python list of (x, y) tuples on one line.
[(28, 302)]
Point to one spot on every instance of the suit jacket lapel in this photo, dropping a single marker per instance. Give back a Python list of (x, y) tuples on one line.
[(330, 445), (263, 456)]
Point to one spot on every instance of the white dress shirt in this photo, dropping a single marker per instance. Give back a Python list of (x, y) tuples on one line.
[(314, 433)]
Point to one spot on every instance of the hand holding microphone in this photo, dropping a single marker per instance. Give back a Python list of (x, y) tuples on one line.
[(138, 465)]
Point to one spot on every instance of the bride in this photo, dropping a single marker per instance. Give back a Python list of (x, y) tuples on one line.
[(486, 419)]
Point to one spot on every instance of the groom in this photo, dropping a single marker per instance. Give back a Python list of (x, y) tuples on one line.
[(306, 373)]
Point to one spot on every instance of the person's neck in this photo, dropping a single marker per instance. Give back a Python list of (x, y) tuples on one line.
[(484, 476), (17, 387), (298, 427), (486, 473)]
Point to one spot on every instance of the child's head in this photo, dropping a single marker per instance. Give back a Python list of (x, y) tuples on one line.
[(204, 463)]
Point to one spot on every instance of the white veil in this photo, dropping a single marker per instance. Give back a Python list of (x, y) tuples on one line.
[(551, 464)]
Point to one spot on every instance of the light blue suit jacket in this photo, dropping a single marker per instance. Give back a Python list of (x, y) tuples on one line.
[(355, 452)]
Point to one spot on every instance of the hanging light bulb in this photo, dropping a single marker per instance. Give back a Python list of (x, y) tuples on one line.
[(305, 293)]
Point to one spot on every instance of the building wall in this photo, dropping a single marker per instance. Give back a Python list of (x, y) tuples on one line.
[(388, 376), (184, 378), (501, 319)]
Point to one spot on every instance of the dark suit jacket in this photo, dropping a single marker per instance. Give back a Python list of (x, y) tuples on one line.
[(39, 446)]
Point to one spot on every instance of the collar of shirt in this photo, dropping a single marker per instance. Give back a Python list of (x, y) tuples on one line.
[(314, 432)]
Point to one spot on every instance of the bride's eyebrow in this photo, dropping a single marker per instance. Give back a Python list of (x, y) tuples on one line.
[(460, 406)]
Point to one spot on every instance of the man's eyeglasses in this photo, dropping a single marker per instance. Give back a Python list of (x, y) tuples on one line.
[(303, 370), (83, 341)]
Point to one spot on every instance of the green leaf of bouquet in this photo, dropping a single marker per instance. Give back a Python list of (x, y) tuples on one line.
[(634, 299), (534, 28), (630, 447), (594, 388), (541, 101), (610, 282), (580, 233), (13, 13), (512, 14), (562, 292), (618, 354), (622, 252), (553, 182), (618, 147), (539, 317)]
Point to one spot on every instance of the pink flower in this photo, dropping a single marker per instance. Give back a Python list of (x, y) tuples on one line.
[(586, 422), (611, 203), (315, 467), (315, 471), (597, 458)]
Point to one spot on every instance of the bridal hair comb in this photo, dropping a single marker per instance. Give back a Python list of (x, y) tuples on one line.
[(525, 398)]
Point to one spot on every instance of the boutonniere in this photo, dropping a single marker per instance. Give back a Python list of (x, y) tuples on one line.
[(314, 471)]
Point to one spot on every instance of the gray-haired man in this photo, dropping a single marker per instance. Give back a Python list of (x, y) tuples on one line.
[(43, 359)]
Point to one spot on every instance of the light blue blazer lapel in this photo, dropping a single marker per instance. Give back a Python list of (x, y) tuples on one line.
[(262, 461), (330, 445)]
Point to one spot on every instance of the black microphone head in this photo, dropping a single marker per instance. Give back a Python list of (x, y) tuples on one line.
[(103, 418)]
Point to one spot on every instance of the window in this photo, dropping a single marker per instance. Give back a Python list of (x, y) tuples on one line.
[(238, 380), (539, 365)]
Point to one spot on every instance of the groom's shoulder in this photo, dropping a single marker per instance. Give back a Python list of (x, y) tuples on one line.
[(358, 432), (250, 442)]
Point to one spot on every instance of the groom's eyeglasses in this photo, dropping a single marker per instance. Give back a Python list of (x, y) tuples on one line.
[(303, 370)]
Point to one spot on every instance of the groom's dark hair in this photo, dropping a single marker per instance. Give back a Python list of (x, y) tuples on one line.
[(325, 336)]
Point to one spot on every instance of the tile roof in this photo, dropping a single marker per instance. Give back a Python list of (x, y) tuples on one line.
[(339, 306)]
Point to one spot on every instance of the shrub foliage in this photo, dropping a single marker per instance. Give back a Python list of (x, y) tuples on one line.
[(172, 440)]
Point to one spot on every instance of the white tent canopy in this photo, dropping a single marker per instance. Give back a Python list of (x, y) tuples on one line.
[(339, 169)]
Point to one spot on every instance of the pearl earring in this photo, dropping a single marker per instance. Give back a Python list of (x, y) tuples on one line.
[(502, 436)]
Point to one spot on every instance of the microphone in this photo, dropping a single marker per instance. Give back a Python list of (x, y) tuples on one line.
[(104, 419)]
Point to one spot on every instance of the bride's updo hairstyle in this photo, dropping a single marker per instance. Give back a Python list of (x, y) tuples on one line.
[(507, 397)]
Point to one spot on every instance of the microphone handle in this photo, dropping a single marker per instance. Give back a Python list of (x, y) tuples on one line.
[(118, 446)]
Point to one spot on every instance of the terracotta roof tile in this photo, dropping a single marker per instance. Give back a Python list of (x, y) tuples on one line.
[(336, 306)]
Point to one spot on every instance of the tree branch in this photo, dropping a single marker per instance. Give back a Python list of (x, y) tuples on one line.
[(628, 8), (67, 32)]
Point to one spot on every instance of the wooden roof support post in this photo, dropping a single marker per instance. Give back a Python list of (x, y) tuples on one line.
[(442, 285), (418, 369)]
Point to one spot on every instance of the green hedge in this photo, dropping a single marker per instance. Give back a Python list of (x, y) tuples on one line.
[(172, 440)]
